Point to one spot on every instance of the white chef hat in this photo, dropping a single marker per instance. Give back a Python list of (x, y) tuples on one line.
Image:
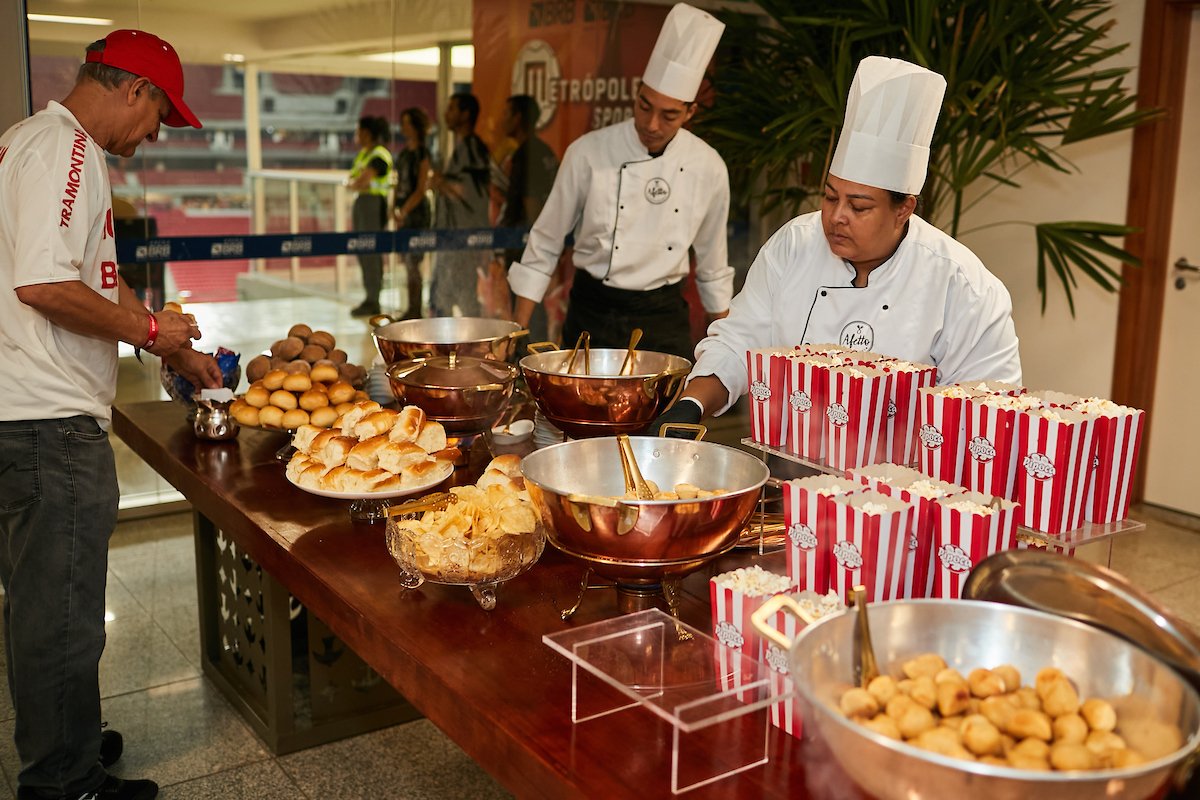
[(685, 45), (890, 114)]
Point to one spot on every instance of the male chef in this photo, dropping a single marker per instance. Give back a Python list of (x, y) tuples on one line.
[(637, 195), (865, 271)]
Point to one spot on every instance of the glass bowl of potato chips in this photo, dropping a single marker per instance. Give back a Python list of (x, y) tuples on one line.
[(477, 536)]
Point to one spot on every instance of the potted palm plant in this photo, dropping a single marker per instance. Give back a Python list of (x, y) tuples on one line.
[(1024, 78)]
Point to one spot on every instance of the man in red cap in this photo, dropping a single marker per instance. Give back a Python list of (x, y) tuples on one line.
[(63, 310)]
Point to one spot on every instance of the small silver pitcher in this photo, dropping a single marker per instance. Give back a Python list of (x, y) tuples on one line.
[(214, 421)]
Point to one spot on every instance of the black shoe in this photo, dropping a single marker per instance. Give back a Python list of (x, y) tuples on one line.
[(113, 788), (112, 744), (365, 309)]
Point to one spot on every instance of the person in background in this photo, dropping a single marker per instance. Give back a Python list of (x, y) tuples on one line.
[(866, 272), (63, 310), (637, 196), (530, 174), (411, 207), (370, 178), (462, 202)]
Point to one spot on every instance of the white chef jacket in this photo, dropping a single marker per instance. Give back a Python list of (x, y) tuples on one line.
[(933, 301), (634, 216), (56, 226)]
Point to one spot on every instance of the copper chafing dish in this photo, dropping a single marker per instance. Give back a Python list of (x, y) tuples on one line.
[(475, 337), (642, 544), (591, 397), (467, 395)]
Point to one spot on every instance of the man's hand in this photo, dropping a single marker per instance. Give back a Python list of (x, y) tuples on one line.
[(686, 411), (175, 331), (197, 367)]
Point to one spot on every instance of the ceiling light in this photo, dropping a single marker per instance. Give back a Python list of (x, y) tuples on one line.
[(461, 55), (236, 58), (68, 20)]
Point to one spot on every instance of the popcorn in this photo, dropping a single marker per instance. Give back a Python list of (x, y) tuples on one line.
[(954, 390), (1021, 402), (874, 509), (930, 489), (1102, 407), (819, 605), (835, 489), (753, 581), (1046, 413), (967, 507)]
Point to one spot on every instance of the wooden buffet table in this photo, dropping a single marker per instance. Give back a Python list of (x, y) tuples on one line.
[(485, 678)]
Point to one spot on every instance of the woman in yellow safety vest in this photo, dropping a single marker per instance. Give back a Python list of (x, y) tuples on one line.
[(370, 178)]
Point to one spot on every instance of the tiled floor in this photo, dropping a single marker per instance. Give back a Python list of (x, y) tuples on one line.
[(181, 732)]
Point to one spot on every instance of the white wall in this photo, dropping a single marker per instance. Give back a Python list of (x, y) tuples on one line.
[(1058, 352)]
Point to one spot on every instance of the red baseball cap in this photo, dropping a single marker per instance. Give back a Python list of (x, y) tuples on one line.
[(149, 57)]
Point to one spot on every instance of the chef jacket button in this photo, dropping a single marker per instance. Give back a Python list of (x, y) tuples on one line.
[(677, 211), (824, 293), (669, 247), (622, 208), (885, 306)]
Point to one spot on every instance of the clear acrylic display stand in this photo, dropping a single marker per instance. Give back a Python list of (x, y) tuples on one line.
[(714, 698)]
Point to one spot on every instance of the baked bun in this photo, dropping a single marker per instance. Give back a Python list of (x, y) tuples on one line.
[(295, 418), (340, 392), (355, 414), (303, 438), (258, 397), (274, 379), (335, 479), (360, 396), (298, 463), (237, 405), (342, 409), (387, 483), (398, 455), (323, 417), (422, 472), (509, 464), (365, 454), (297, 367), (378, 423), (311, 476), (408, 424), (324, 372), (258, 366), (300, 331), (432, 436), (312, 352), (332, 452), (322, 339), (298, 382), (271, 417), (313, 399), (247, 415), (288, 348), (281, 398), (338, 356)]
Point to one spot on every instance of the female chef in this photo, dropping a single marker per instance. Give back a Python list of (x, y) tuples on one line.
[(865, 272)]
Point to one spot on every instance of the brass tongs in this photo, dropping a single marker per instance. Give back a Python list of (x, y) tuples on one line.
[(430, 502), (584, 340), (627, 364), (634, 482), (865, 665)]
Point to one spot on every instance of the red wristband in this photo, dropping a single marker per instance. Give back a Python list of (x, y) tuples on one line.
[(152, 334)]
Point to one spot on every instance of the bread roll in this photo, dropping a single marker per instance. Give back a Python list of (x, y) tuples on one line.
[(352, 374), (432, 436), (509, 464), (311, 476), (335, 479), (353, 481), (320, 387), (312, 352), (360, 410), (288, 348), (274, 379), (387, 483), (338, 356), (297, 367), (365, 454), (171, 305), (341, 392), (360, 396), (323, 417), (298, 463), (297, 383), (237, 405), (375, 424), (300, 331), (332, 452), (324, 372), (342, 409), (281, 398), (408, 424), (323, 339), (303, 438), (398, 455), (295, 418), (248, 416), (450, 455), (258, 366), (312, 400), (271, 417), (423, 473), (258, 397)]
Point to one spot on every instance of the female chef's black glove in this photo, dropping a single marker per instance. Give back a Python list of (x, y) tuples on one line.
[(686, 411)]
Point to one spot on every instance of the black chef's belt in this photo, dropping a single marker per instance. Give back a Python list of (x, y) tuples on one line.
[(610, 314)]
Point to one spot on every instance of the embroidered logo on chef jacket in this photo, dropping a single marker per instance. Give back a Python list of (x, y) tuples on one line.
[(657, 191), (802, 536), (1039, 466), (857, 335), (981, 449), (954, 558)]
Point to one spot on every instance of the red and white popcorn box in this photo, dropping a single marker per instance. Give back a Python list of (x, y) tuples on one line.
[(805, 515), (768, 375), (737, 594), (856, 418), (990, 465), (903, 410), (942, 433), (870, 545), (966, 530), (1116, 444), (1053, 449), (808, 391), (786, 713), (827, 349)]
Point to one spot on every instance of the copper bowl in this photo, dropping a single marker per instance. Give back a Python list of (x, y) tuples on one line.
[(601, 402), (577, 488), (466, 395), (474, 337)]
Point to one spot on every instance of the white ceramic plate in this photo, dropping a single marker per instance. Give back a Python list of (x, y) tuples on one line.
[(514, 433), (405, 492)]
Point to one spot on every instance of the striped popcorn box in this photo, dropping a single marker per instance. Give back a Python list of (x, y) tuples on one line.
[(808, 389), (1116, 443), (767, 374), (870, 545), (734, 671), (990, 465), (856, 418), (966, 530), (1053, 450), (737, 594), (786, 713), (827, 349), (1025, 542), (942, 433), (805, 513), (900, 444)]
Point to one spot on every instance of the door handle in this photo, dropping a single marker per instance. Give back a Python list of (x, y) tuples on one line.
[(1185, 272)]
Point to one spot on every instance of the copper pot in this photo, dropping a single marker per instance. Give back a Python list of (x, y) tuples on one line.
[(596, 400), (577, 485), (467, 395), (474, 337)]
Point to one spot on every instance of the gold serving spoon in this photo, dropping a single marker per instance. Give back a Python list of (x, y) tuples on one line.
[(627, 364), (866, 666)]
